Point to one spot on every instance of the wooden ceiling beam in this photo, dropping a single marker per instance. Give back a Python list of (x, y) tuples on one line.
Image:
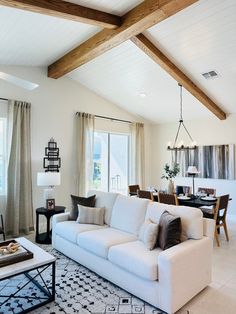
[(145, 15), (155, 54), (66, 10)]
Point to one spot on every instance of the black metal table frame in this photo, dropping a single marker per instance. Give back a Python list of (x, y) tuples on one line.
[(49, 295)]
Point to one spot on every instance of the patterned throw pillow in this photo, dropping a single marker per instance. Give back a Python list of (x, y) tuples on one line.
[(169, 231), (148, 234), (91, 215), (78, 200)]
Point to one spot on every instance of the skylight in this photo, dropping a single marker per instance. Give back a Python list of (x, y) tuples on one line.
[(18, 81)]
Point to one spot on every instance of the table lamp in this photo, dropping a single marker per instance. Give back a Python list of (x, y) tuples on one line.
[(192, 171), (49, 179)]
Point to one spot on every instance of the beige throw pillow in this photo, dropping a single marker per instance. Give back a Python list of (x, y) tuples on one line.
[(91, 215), (148, 234)]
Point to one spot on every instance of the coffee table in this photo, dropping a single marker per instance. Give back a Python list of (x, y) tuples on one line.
[(27, 285)]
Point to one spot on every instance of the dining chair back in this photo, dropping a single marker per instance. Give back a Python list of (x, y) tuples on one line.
[(183, 189), (219, 215), (208, 191), (166, 198), (133, 189), (2, 230), (145, 194)]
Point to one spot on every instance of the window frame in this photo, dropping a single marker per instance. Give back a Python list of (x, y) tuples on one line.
[(109, 134)]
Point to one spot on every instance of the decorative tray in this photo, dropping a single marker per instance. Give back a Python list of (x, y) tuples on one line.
[(20, 255)]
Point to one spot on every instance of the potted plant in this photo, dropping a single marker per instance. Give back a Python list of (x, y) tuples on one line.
[(169, 174)]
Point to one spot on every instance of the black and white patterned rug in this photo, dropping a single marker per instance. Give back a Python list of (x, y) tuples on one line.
[(78, 290)]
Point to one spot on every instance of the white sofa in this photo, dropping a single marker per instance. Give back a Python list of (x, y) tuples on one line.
[(166, 279)]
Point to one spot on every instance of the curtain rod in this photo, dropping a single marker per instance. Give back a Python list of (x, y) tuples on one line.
[(109, 118), (97, 116), (113, 119), (4, 99)]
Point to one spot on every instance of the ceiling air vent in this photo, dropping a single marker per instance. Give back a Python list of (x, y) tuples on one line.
[(210, 75)]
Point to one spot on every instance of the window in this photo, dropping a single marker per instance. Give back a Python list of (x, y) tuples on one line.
[(111, 162), (3, 138)]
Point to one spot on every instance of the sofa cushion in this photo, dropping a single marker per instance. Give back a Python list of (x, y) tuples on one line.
[(128, 213), (99, 241), (70, 229), (136, 258), (191, 218), (91, 215), (78, 200), (169, 231), (106, 200), (148, 234)]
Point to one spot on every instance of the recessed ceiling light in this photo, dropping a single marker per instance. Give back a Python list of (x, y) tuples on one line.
[(142, 94)]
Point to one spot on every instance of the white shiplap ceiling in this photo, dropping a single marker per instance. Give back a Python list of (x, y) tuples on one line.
[(198, 39), (117, 7), (124, 72), (203, 38), (32, 39)]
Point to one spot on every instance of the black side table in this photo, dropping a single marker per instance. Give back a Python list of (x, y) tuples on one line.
[(45, 238)]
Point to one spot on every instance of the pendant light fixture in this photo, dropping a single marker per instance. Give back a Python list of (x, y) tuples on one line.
[(180, 145)]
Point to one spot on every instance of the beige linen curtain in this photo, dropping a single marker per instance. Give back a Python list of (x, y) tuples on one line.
[(19, 208), (3, 196), (137, 154), (84, 151)]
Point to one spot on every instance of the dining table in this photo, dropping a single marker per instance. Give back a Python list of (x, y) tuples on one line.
[(197, 201), (193, 200)]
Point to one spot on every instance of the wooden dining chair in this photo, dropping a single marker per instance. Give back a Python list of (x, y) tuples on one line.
[(145, 194), (180, 189), (170, 199), (2, 230), (133, 189), (208, 191), (218, 213)]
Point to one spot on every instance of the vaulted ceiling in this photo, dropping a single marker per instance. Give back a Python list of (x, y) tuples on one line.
[(198, 39)]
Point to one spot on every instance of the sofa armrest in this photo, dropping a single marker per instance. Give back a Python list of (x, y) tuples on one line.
[(184, 270), (60, 217), (56, 219)]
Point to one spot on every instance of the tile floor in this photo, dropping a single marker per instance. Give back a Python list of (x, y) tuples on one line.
[(220, 296)]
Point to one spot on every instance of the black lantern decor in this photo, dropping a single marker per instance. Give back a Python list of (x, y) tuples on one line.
[(52, 161)]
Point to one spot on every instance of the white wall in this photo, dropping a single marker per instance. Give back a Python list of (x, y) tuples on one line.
[(54, 104), (205, 132)]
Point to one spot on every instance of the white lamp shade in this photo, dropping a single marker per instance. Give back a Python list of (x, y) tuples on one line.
[(48, 178), (192, 170)]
